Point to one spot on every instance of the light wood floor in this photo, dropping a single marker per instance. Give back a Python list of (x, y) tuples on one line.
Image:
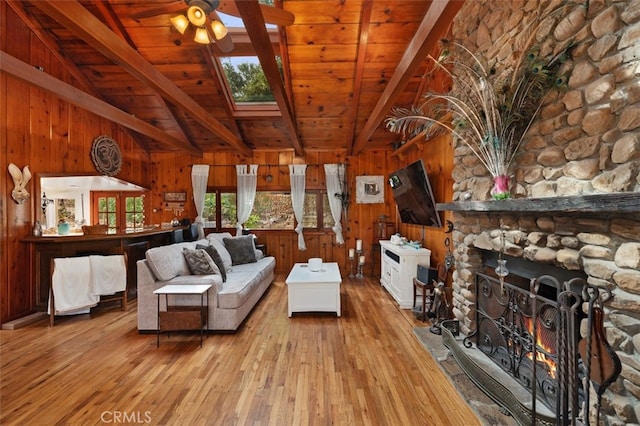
[(364, 368)]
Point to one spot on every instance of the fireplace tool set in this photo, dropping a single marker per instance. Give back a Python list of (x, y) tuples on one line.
[(440, 309), (598, 366), (439, 306)]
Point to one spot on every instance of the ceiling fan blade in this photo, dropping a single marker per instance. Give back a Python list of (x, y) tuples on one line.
[(175, 7), (272, 15), (225, 44)]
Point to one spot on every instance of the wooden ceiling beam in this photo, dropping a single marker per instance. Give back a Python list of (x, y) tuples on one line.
[(251, 14), (72, 68), (87, 27), (30, 74), (217, 75), (365, 20), (435, 23), (114, 23), (54, 49)]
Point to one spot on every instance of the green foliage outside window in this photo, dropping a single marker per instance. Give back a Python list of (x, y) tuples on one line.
[(272, 210), (134, 216), (248, 82)]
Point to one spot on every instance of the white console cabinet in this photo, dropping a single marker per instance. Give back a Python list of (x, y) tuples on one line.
[(399, 267)]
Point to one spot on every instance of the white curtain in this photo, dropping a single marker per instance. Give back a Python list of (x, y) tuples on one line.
[(334, 174), (297, 173), (246, 195), (199, 178)]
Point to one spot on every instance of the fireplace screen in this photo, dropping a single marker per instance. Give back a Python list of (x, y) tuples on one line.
[(527, 351), (520, 333)]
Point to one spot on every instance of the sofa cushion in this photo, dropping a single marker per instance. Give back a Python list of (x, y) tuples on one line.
[(216, 240), (242, 249), (200, 263), (218, 236), (259, 254), (211, 251), (241, 283), (168, 261), (214, 280), (238, 288)]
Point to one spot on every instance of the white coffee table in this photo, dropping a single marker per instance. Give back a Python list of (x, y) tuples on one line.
[(311, 291)]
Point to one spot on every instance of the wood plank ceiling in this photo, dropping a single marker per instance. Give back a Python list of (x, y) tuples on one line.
[(346, 63)]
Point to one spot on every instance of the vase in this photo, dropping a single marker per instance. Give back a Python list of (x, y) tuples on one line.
[(63, 228), (500, 190)]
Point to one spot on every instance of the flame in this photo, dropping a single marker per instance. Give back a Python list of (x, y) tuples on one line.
[(541, 357)]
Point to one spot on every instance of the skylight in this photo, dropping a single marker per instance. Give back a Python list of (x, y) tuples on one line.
[(247, 83), (246, 80)]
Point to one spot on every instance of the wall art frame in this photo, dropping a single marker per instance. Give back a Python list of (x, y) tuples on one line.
[(369, 189), (175, 196)]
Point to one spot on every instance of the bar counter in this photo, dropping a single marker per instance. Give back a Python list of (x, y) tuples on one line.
[(43, 249)]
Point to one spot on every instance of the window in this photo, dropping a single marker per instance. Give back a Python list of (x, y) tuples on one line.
[(225, 215), (272, 210), (106, 207), (134, 212), (246, 83), (246, 79), (120, 211)]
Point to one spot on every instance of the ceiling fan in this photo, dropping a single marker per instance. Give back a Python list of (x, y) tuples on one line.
[(202, 15)]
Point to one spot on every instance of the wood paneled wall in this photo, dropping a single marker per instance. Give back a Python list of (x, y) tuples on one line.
[(50, 136), (437, 155), (171, 173), (53, 136)]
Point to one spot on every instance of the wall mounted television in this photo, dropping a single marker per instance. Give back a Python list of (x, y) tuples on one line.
[(413, 195)]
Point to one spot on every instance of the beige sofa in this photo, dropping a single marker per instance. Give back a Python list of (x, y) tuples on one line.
[(230, 302)]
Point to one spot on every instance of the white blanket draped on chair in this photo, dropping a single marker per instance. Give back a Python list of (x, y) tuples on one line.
[(108, 274), (71, 286), (78, 282)]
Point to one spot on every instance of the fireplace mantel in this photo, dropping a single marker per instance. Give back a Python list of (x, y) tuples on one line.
[(612, 203)]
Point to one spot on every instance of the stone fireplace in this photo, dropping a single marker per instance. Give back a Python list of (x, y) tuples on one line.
[(603, 246), (576, 183)]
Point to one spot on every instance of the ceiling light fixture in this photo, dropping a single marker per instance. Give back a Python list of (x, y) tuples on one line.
[(219, 30), (201, 36), (180, 22), (197, 14)]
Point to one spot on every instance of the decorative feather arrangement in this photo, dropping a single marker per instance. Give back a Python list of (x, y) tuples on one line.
[(490, 110)]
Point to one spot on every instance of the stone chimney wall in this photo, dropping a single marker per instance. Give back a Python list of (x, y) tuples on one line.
[(586, 140)]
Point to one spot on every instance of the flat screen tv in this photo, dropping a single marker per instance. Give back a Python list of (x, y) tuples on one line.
[(413, 195)]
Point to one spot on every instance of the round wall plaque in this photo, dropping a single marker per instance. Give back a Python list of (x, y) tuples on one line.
[(106, 155)]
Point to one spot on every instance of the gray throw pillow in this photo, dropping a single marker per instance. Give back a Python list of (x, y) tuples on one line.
[(200, 263), (211, 251), (241, 249)]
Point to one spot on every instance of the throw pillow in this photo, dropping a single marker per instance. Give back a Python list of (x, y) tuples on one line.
[(211, 251), (218, 244), (167, 261), (241, 249), (200, 262)]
